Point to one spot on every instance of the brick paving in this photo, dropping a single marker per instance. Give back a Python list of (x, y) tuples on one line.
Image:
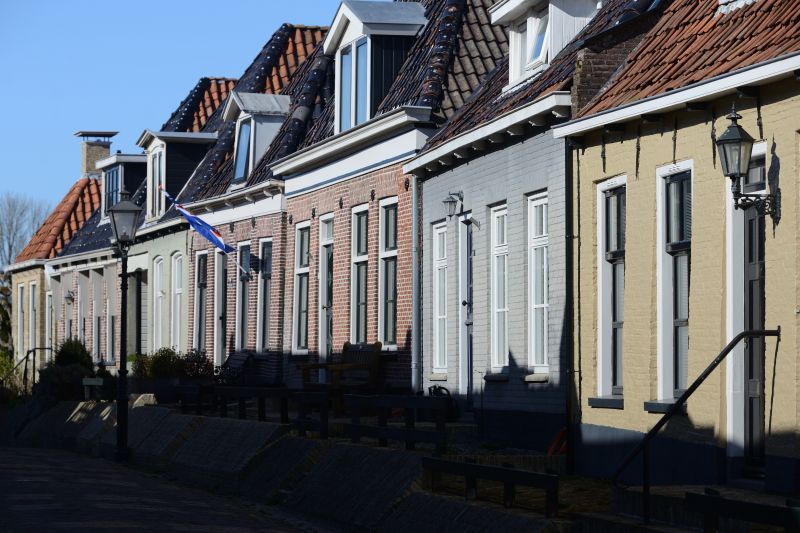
[(50, 490)]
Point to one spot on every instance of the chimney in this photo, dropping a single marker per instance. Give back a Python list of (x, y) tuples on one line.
[(95, 145)]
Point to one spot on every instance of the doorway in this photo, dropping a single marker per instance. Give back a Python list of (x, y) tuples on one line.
[(220, 306), (325, 292), (465, 286), (754, 355)]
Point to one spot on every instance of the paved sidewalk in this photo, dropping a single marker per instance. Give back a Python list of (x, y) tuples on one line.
[(52, 490)]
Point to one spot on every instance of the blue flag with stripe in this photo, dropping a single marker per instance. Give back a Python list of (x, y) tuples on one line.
[(200, 226)]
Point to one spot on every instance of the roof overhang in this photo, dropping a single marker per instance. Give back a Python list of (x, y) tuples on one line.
[(712, 88), (148, 136), (94, 255), (120, 158), (256, 104), (535, 113), (268, 188), (505, 12), (24, 265), (374, 17), (341, 144)]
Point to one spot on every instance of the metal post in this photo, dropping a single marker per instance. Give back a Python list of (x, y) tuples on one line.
[(122, 373), (646, 484)]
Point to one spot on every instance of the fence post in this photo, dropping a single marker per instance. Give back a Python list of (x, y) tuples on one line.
[(409, 416), (646, 483)]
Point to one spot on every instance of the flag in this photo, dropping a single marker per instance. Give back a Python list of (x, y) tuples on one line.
[(200, 226)]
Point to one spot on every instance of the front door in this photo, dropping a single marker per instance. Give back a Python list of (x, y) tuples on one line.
[(220, 307), (327, 305), (466, 315), (754, 348)]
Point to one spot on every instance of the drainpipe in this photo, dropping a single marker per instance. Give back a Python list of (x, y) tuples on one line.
[(416, 367), (570, 314)]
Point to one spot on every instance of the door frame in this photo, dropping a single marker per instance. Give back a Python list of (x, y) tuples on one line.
[(220, 285), (322, 276), (464, 364)]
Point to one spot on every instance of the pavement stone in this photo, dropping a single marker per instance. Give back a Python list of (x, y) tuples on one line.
[(56, 490)]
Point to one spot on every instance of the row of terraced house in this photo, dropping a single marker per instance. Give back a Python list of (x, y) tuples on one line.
[(523, 201)]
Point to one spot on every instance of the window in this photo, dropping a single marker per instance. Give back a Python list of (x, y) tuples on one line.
[(220, 306), (440, 297), (615, 207), (756, 178), (499, 229), (177, 301), (359, 280), (48, 325), (678, 246), (158, 302), (353, 106), (529, 46), (242, 166), (264, 294), (388, 272), (242, 299), (200, 301), (537, 282), (158, 181), (33, 309), (538, 42), (302, 263), (112, 187), (20, 320)]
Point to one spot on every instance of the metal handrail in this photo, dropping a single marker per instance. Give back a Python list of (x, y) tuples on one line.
[(643, 448), (25, 359)]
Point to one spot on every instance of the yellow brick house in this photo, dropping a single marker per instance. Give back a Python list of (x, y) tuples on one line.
[(670, 267)]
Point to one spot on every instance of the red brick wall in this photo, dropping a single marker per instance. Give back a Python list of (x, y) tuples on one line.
[(387, 182), (267, 226)]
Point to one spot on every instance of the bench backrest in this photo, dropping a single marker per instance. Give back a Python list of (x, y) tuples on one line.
[(368, 355), (234, 367)]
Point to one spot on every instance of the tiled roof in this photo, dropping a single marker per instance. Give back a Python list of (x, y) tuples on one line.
[(446, 63), (195, 110), (273, 71), (64, 221), (691, 43), (490, 101)]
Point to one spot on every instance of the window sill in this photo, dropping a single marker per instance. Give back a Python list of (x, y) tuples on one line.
[(536, 378), (436, 376), (662, 406), (607, 402), (389, 348), (496, 377), (529, 73)]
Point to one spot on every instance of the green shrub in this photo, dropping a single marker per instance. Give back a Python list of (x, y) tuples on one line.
[(166, 363), (141, 366), (62, 382), (109, 389), (73, 352), (197, 365), (11, 387)]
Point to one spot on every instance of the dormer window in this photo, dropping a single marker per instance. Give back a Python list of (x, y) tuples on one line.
[(242, 167), (258, 118), (370, 40), (119, 171), (111, 188), (155, 182), (538, 31)]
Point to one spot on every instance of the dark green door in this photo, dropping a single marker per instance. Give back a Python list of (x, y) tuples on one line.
[(754, 349)]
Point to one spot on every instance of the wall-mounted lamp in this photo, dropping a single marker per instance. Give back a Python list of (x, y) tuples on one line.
[(69, 297), (451, 202), (313, 212), (735, 147), (252, 222)]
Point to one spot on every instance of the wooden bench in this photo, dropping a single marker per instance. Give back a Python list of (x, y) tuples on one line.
[(411, 406), (713, 506), (509, 476), (359, 368), (235, 367), (241, 394), (266, 370)]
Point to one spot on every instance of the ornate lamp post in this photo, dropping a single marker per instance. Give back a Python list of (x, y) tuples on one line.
[(124, 223), (735, 147)]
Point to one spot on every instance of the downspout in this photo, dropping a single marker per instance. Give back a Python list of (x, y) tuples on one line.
[(570, 314), (416, 367)]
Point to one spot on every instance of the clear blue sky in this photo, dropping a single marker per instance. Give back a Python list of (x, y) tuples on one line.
[(119, 65)]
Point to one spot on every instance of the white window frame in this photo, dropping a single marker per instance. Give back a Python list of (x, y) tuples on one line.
[(158, 303), (355, 261), (538, 242), (48, 324), (262, 336), (220, 294), (176, 302), (155, 196), (110, 355), (196, 306), (298, 271), (664, 283), (32, 307), (244, 117), (337, 111), (322, 284), (521, 64), (604, 295), (237, 340), (498, 360), (383, 254), (439, 362), (21, 320)]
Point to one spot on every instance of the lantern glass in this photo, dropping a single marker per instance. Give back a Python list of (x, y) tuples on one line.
[(450, 202), (124, 221), (735, 147)]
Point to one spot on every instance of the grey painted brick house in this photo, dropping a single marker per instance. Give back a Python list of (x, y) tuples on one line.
[(493, 232)]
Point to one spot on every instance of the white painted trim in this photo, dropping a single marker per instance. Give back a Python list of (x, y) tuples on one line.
[(196, 306), (260, 333), (322, 287), (237, 340), (709, 89), (439, 264), (505, 12), (257, 209), (20, 321), (383, 254), (298, 271), (534, 243), (49, 314), (248, 195), (604, 296), (354, 261), (356, 138), (664, 284), (14, 267), (220, 285), (175, 329), (148, 136), (120, 158), (32, 318), (463, 294), (544, 106), (498, 360), (157, 303)]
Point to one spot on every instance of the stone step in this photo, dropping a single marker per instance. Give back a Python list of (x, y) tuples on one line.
[(615, 523)]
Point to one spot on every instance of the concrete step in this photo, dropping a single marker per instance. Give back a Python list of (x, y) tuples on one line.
[(614, 523)]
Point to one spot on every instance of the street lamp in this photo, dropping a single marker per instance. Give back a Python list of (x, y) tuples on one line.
[(124, 223), (451, 202), (735, 147)]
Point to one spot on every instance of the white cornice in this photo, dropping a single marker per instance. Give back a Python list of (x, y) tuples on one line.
[(77, 258), (120, 158), (30, 263), (505, 12), (709, 89), (554, 102), (265, 189), (148, 136), (353, 139)]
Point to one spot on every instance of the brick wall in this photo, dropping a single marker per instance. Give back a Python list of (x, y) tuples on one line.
[(339, 199)]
